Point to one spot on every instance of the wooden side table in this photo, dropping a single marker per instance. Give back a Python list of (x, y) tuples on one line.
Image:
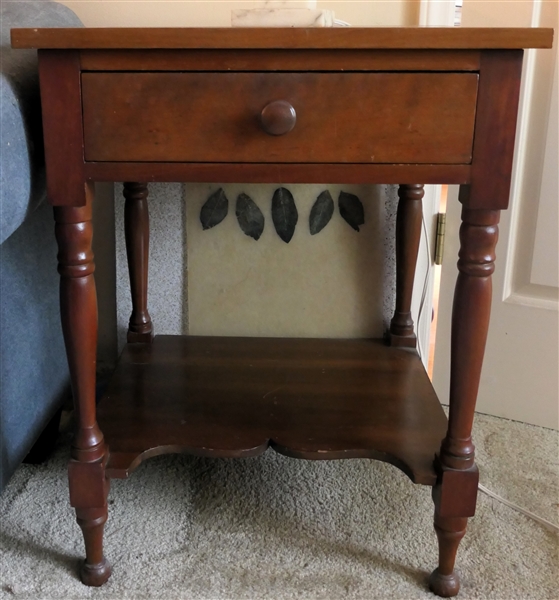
[(284, 105)]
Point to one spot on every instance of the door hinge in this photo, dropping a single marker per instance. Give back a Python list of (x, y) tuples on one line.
[(439, 242)]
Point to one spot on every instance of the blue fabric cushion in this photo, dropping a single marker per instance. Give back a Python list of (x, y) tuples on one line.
[(33, 368), (22, 185), (15, 162)]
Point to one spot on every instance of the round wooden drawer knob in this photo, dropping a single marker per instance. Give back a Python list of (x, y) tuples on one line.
[(278, 117)]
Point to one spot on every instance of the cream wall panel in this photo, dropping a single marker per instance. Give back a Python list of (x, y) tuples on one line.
[(325, 285)]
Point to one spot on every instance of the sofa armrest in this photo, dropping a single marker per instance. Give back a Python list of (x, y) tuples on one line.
[(22, 179)]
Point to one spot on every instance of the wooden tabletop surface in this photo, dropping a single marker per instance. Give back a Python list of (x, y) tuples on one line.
[(283, 38)]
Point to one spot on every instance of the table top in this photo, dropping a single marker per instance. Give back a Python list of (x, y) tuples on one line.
[(283, 38)]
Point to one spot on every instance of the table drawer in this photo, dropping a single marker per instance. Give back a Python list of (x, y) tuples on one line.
[(340, 117)]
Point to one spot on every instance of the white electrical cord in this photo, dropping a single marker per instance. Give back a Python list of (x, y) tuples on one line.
[(547, 524)]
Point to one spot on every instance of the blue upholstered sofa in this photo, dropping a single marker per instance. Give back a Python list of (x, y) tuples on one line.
[(33, 369)]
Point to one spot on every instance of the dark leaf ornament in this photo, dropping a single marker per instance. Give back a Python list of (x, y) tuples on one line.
[(351, 209), (284, 214), (321, 212), (214, 210), (250, 217)]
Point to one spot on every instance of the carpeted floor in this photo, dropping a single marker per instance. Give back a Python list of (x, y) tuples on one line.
[(275, 528)]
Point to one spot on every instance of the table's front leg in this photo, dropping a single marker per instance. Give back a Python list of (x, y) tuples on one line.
[(456, 492), (78, 304)]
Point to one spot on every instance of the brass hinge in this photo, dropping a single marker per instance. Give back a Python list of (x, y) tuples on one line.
[(439, 242)]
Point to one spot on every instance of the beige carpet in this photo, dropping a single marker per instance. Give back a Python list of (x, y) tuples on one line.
[(276, 528)]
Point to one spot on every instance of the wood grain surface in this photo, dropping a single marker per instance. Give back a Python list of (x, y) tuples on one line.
[(234, 397), (279, 60), (61, 106), (499, 91), (215, 117), (285, 38), (276, 173)]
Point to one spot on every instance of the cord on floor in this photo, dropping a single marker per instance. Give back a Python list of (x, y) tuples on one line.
[(547, 524)]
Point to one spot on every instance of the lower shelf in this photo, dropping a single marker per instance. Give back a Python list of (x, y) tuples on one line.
[(307, 398)]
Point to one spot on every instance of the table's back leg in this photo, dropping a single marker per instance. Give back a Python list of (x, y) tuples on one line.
[(408, 234), (136, 231), (456, 491), (78, 305)]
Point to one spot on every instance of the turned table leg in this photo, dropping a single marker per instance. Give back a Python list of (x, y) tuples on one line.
[(136, 232), (455, 494), (408, 235), (78, 305)]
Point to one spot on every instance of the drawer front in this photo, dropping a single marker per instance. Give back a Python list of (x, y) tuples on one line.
[(340, 117)]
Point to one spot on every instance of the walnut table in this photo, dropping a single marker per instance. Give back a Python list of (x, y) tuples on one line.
[(410, 107)]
